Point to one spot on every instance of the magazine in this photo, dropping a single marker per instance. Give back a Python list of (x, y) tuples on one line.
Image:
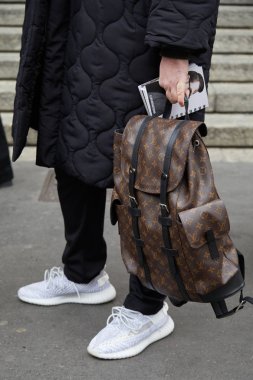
[(154, 98)]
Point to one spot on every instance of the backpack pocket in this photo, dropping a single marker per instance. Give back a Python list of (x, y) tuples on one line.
[(207, 247), (205, 224)]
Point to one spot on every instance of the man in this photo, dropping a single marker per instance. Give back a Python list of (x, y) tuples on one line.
[(81, 63)]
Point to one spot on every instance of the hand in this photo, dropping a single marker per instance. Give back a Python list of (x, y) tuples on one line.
[(174, 79)]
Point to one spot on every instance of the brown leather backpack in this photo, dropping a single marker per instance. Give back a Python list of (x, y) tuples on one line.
[(173, 226)]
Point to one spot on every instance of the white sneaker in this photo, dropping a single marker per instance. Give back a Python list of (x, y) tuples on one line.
[(56, 289), (129, 332)]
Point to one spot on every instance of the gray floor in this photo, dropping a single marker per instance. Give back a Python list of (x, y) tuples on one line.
[(50, 343)]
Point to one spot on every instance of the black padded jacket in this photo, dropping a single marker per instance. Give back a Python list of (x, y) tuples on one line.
[(81, 62)]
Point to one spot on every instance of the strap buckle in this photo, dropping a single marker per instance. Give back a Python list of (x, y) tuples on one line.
[(132, 170), (240, 306), (133, 201), (164, 207)]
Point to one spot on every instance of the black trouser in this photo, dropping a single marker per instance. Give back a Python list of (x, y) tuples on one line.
[(5, 165), (83, 209)]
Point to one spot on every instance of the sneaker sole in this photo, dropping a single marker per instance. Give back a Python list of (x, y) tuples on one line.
[(104, 296), (161, 333)]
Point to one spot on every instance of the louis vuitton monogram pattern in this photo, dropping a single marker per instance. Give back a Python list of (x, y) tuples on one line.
[(198, 220), (128, 248), (151, 234), (150, 160), (193, 203)]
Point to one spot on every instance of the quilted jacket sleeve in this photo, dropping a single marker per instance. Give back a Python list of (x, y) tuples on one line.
[(183, 27), (27, 93)]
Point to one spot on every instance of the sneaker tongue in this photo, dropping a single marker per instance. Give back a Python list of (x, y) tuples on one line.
[(54, 277)]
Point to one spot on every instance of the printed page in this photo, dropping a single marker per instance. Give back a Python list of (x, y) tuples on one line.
[(154, 96)]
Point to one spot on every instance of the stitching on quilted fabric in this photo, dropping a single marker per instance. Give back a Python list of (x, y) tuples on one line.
[(108, 78), (64, 138)]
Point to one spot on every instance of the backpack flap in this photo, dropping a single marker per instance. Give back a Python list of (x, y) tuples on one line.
[(152, 151), (205, 223)]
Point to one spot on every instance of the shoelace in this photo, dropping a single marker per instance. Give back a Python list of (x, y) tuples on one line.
[(54, 279), (129, 318)]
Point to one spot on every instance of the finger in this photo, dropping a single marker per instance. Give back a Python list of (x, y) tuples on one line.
[(187, 86), (171, 94), (181, 90), (174, 96), (168, 94)]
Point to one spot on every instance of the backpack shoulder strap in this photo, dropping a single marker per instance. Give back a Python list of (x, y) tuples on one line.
[(164, 218), (134, 210)]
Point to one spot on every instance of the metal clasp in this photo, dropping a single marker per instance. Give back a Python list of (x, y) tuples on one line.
[(240, 306), (133, 199), (164, 207), (164, 176), (196, 143)]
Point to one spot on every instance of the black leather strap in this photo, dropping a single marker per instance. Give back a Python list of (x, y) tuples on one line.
[(186, 104), (164, 218), (248, 299), (134, 159), (133, 208), (136, 212), (170, 252), (220, 307), (221, 310), (167, 163), (211, 242)]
